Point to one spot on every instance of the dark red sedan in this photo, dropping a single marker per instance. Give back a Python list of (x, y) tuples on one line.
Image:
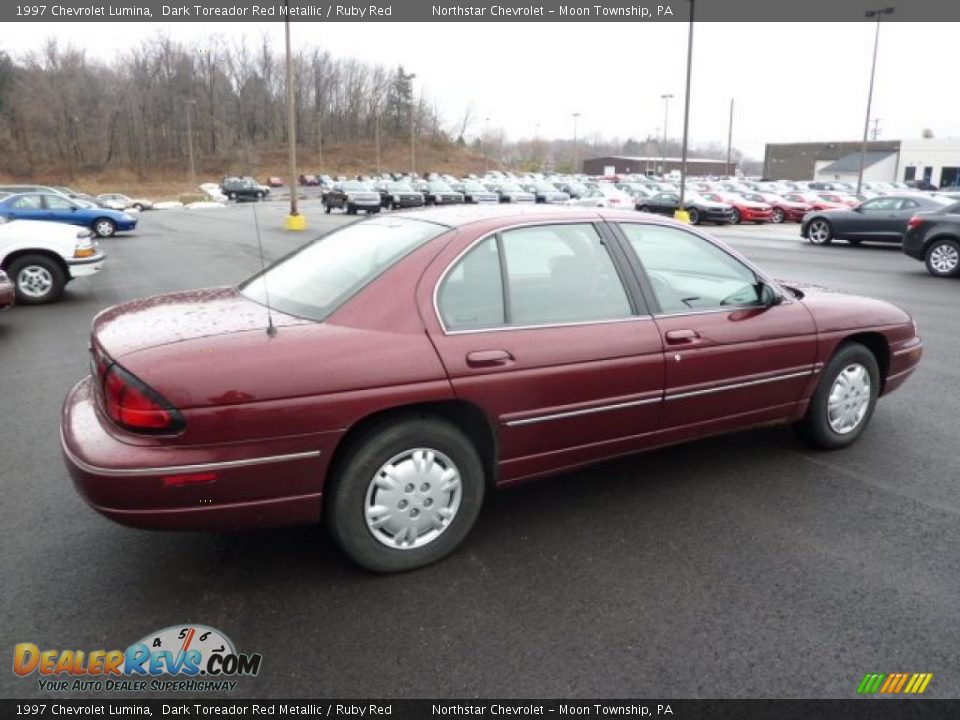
[(408, 364)]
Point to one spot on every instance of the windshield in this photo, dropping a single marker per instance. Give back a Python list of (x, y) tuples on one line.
[(510, 187), (316, 279), (473, 185), (437, 186), (353, 185), (400, 187)]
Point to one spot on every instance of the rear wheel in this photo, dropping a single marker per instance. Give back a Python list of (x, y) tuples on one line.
[(943, 258), (327, 209), (406, 494), (819, 232), (643, 208), (351, 210), (37, 279), (844, 400), (735, 217), (777, 215), (694, 215)]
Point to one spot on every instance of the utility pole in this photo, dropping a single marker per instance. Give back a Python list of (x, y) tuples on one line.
[(663, 147), (876, 128), (686, 112), (376, 133), (413, 152), (188, 109), (576, 149), (730, 138), (878, 14), (295, 221), (320, 143)]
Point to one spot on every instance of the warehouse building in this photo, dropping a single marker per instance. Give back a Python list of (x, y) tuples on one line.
[(933, 160), (624, 165)]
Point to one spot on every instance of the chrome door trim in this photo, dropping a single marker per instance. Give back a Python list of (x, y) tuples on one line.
[(583, 411), (741, 384)]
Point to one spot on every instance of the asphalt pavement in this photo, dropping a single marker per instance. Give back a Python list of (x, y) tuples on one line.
[(741, 566)]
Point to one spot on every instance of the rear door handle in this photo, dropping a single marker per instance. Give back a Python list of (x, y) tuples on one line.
[(678, 337), (486, 358)]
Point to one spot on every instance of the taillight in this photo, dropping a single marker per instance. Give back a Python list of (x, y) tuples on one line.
[(914, 222), (135, 406)]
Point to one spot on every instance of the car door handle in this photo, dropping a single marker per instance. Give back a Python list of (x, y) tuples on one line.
[(486, 358), (678, 337)]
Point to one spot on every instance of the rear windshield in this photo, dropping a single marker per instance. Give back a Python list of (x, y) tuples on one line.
[(315, 280)]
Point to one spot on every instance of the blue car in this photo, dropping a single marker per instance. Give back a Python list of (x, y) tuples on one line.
[(59, 208)]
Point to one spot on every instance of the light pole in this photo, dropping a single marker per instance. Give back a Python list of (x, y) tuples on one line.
[(730, 138), (295, 221), (188, 108), (878, 13), (576, 149), (485, 121), (681, 213), (413, 152), (376, 133), (320, 143), (663, 147)]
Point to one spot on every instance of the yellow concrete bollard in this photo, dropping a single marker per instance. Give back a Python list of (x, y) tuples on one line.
[(296, 222), (681, 215)]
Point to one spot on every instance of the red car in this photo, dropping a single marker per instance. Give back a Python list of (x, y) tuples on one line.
[(783, 210), (7, 292), (839, 199), (408, 364), (814, 201), (275, 181), (743, 210)]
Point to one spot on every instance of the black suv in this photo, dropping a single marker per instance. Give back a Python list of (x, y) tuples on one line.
[(248, 188)]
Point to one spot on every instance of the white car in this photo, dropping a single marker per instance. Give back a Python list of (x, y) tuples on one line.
[(605, 196), (116, 201), (42, 257)]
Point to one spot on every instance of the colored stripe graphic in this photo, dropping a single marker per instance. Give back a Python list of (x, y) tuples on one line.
[(894, 683)]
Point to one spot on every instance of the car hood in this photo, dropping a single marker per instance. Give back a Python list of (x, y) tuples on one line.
[(178, 318), (834, 310), (40, 230)]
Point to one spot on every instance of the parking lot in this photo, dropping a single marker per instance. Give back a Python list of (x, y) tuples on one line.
[(741, 566)]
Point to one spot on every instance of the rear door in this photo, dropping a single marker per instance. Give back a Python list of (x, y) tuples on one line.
[(539, 325), (59, 209), (28, 206), (729, 358)]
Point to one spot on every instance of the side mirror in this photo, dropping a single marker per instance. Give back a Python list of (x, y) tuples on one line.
[(767, 295)]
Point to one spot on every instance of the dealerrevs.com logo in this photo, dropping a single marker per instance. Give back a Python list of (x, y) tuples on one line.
[(186, 658)]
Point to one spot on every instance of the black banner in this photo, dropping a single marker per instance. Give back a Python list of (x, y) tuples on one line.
[(862, 709), (476, 11)]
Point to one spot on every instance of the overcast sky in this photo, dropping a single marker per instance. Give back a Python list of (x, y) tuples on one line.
[(791, 82)]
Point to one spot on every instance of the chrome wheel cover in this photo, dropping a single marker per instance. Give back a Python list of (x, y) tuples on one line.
[(104, 228), (35, 281), (413, 498), (819, 232), (944, 259), (849, 399)]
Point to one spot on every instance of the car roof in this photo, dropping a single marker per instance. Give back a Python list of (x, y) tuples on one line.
[(462, 215)]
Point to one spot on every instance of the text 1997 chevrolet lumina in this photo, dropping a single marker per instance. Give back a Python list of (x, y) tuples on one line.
[(416, 362)]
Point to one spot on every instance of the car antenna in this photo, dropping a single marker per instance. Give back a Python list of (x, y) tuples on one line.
[(271, 328)]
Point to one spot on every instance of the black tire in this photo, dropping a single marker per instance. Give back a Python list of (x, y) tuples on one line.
[(395, 206), (49, 268), (777, 215), (375, 210), (346, 496), (820, 231), (351, 210), (642, 208), (694, 216), (259, 195), (735, 217), (942, 258), (327, 209), (104, 227), (138, 207), (231, 196), (815, 426)]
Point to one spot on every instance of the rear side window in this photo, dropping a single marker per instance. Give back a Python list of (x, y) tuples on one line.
[(315, 280)]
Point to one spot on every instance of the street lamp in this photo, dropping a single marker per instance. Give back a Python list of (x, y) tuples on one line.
[(681, 213), (878, 13), (485, 121), (294, 221), (576, 150), (413, 151), (663, 147), (188, 107)]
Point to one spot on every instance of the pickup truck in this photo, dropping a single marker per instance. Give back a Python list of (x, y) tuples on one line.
[(42, 257)]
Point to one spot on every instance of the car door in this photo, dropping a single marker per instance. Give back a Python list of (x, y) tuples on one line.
[(666, 203), (732, 357), (874, 219), (539, 325), (60, 209), (28, 206)]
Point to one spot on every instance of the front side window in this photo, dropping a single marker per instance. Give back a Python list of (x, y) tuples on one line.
[(58, 203), (316, 279), (554, 274), (28, 202), (688, 273)]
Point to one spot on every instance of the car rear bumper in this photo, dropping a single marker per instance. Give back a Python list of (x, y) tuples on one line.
[(86, 266), (267, 483)]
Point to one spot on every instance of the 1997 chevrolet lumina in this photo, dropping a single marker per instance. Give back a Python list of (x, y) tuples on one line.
[(417, 361)]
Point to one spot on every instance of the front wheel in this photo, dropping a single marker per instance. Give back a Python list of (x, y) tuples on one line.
[(943, 258), (37, 279), (819, 232), (777, 216), (844, 400), (694, 215), (406, 494), (104, 227), (327, 209), (735, 217)]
